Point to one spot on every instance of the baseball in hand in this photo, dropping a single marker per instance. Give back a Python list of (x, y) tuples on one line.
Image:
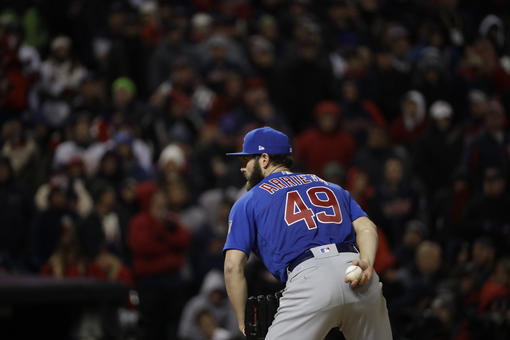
[(353, 273)]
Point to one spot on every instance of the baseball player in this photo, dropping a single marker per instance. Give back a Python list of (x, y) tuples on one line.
[(307, 232)]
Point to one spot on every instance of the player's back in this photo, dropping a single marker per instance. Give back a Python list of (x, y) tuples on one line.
[(294, 212)]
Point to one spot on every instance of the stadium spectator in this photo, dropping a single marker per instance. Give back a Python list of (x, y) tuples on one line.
[(16, 211), (373, 155), (359, 114), (305, 76), (158, 243), (23, 153), (489, 148), (441, 145), (171, 47), (61, 77), (486, 212), (206, 251), (208, 327), (77, 196), (417, 284), (412, 121), (315, 147), (397, 200), (477, 107), (212, 298), (79, 145), (49, 224), (101, 230)]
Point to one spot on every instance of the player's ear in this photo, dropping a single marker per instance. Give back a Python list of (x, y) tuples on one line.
[(265, 160)]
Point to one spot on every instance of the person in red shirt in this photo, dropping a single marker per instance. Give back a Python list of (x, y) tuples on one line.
[(157, 239), (497, 286), (158, 243), (326, 142)]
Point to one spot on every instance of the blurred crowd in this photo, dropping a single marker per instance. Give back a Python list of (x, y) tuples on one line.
[(115, 117)]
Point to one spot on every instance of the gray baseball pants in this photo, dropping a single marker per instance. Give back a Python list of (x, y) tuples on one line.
[(316, 299)]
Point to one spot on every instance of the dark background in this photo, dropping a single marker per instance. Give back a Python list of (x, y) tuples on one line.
[(103, 103)]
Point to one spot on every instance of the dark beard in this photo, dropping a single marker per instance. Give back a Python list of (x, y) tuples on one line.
[(255, 177)]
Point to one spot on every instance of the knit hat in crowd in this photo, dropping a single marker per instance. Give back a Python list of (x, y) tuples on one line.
[(124, 83), (441, 109)]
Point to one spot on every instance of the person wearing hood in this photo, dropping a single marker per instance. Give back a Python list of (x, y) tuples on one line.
[(492, 28), (477, 105), (411, 122), (213, 298), (438, 150), (431, 78)]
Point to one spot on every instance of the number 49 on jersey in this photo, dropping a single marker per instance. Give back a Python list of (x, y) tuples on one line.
[(321, 197)]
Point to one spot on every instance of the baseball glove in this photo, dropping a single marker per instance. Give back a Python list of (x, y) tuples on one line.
[(259, 314)]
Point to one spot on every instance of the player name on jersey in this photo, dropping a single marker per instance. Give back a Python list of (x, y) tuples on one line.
[(289, 181)]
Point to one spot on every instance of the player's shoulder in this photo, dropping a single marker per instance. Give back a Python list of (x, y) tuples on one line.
[(245, 200), (339, 188)]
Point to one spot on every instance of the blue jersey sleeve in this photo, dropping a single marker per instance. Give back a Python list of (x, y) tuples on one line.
[(241, 227)]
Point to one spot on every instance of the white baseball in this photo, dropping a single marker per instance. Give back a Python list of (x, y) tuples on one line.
[(353, 273)]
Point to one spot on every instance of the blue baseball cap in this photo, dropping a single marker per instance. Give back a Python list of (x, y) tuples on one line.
[(265, 140)]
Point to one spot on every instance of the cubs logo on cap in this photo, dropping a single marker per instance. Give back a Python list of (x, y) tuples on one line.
[(265, 140)]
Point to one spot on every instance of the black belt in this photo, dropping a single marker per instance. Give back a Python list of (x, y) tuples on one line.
[(307, 254)]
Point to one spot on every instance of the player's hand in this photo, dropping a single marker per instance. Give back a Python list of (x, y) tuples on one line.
[(241, 328), (366, 274)]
